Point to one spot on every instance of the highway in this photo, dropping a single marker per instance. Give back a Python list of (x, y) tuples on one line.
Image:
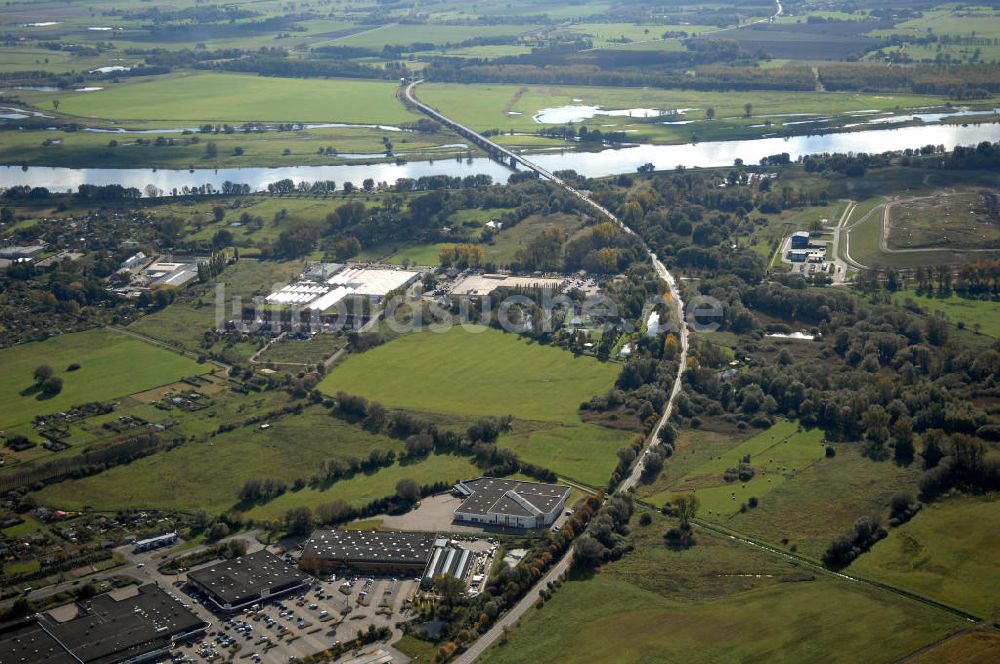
[(505, 156)]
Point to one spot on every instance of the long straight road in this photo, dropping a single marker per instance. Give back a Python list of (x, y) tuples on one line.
[(506, 156)]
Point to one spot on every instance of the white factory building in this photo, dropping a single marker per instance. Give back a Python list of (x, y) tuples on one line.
[(361, 281)]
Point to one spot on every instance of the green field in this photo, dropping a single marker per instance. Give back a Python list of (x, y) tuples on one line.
[(224, 98), (112, 365), (209, 474), (586, 453), (485, 372), (942, 554), (404, 35), (717, 602), (777, 455), (474, 372), (982, 313), (508, 241), (362, 489), (973, 647), (275, 148), (824, 500), (306, 351), (484, 106)]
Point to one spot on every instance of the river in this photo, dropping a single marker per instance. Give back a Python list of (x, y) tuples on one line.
[(590, 164)]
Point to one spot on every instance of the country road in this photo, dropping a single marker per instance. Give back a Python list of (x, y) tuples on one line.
[(500, 153)]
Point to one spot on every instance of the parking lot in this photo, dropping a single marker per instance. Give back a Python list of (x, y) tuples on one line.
[(293, 627)]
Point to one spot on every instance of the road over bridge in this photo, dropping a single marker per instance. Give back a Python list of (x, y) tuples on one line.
[(505, 156)]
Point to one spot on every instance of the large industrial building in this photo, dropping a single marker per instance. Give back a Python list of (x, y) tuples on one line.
[(367, 551), (509, 503), (421, 555), (110, 628), (324, 286), (234, 584), (481, 285)]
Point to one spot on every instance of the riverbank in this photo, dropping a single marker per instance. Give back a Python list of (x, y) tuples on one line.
[(590, 164)]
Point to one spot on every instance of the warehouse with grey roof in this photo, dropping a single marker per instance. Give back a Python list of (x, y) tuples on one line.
[(234, 584), (129, 625), (510, 503), (367, 550)]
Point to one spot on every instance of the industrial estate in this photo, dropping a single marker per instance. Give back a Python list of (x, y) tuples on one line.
[(598, 331)]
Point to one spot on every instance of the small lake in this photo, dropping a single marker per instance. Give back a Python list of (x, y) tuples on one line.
[(590, 164), (580, 112)]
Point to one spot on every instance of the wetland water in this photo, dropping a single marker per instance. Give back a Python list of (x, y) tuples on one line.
[(590, 164)]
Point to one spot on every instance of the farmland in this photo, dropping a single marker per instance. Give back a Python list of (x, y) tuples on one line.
[(444, 373), (208, 475), (979, 315), (924, 557), (170, 149), (111, 365), (362, 489), (777, 456), (702, 605), (221, 98), (541, 387), (806, 513), (513, 107)]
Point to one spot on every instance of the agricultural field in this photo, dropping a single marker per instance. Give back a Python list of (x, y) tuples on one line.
[(939, 554), (473, 372), (717, 601), (439, 35), (112, 365), (949, 219), (209, 474), (302, 352), (822, 501), (973, 647), (586, 453), (484, 372), (363, 488), (981, 316), (223, 98), (777, 455), (301, 147), (966, 33), (514, 107)]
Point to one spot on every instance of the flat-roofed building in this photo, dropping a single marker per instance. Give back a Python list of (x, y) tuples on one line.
[(510, 503), (25, 642), (20, 252), (239, 582), (154, 542), (128, 625), (367, 551)]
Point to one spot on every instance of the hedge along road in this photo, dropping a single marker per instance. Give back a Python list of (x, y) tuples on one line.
[(506, 156)]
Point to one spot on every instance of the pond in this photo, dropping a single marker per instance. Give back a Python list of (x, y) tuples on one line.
[(580, 112), (590, 164)]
